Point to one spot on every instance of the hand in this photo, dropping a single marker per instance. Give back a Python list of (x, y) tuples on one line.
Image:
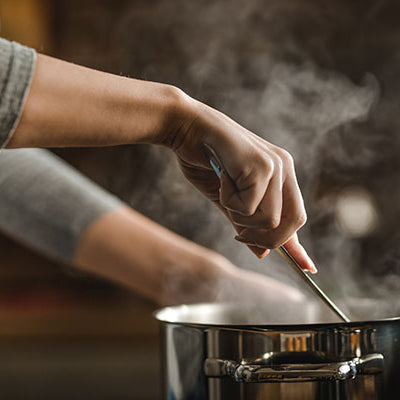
[(214, 279), (259, 192)]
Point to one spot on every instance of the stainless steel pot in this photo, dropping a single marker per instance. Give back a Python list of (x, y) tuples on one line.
[(221, 351)]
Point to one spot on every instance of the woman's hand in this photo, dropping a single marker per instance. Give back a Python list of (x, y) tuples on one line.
[(213, 278), (258, 190)]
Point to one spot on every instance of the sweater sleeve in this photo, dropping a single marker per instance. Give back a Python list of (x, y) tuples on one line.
[(46, 204), (16, 69)]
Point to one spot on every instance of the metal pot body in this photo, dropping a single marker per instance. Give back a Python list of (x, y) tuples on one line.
[(222, 359)]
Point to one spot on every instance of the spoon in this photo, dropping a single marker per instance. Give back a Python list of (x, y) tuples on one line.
[(218, 168)]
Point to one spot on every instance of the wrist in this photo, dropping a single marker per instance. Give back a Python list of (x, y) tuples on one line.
[(180, 111)]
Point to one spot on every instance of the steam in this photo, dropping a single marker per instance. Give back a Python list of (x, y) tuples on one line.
[(315, 101), (272, 68), (302, 108), (297, 109), (296, 105)]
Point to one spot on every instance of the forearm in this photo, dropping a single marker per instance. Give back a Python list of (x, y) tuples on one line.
[(70, 105), (130, 249)]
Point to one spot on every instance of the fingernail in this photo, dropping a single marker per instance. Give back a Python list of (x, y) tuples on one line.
[(311, 266), (263, 254), (313, 269)]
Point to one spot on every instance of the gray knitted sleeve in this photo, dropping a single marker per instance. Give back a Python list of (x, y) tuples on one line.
[(45, 203), (16, 69)]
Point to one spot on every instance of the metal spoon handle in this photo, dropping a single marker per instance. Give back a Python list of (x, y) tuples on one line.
[(218, 168), (310, 282)]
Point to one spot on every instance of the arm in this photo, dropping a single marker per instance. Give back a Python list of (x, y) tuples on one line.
[(126, 247), (51, 207), (72, 105)]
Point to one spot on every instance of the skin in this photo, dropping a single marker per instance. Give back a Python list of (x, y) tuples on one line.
[(69, 105), (165, 267)]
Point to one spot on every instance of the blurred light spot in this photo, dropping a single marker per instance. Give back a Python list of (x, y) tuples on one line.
[(344, 369), (356, 212)]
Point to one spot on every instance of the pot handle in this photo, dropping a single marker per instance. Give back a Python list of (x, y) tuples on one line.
[(247, 372)]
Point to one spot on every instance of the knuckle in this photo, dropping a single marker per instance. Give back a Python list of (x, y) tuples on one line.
[(246, 177), (286, 157), (273, 221), (300, 219), (278, 161), (248, 210), (267, 165)]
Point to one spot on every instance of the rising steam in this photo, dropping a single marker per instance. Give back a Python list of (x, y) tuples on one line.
[(295, 72)]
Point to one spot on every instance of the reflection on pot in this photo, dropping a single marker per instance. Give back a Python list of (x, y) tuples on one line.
[(326, 361)]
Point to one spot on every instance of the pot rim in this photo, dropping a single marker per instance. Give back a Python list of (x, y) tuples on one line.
[(161, 317)]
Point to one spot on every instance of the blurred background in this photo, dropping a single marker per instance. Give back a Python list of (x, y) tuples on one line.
[(320, 78)]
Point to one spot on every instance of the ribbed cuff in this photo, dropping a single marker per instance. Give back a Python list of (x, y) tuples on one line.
[(16, 70), (46, 204)]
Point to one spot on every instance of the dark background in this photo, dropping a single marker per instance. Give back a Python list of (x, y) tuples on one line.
[(320, 78)]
